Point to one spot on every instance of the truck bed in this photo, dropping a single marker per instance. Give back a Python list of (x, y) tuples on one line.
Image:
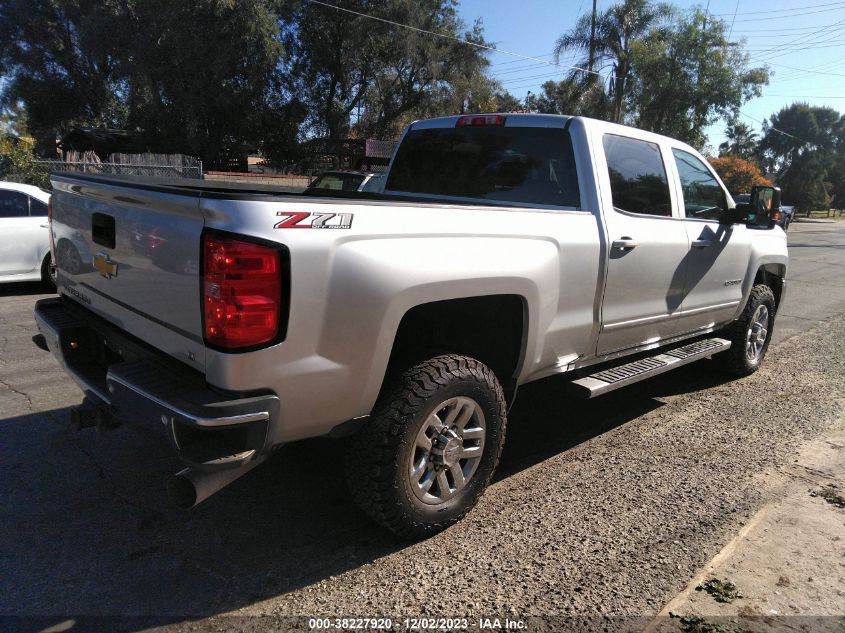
[(246, 191)]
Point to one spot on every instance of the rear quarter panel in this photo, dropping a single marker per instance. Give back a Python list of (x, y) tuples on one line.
[(351, 287)]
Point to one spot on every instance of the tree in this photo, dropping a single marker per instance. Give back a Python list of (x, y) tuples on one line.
[(837, 176), (59, 65), (688, 76), (503, 101), (353, 72), (741, 140), (198, 74), (801, 143), (193, 77), (14, 121), (738, 174), (616, 30), (578, 96), (17, 162)]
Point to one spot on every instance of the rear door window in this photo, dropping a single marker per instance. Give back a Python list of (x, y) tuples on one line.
[(517, 165), (638, 182), (13, 204), (37, 208)]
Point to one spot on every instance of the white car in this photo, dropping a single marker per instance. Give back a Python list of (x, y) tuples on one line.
[(25, 243)]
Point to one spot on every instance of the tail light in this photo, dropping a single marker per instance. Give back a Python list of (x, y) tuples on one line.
[(242, 293), (480, 119)]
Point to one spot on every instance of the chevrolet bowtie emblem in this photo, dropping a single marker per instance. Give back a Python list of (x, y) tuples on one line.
[(105, 266)]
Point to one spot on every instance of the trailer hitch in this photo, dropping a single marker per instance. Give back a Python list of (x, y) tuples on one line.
[(89, 414)]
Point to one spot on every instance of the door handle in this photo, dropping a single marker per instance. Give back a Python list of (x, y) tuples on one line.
[(44, 226), (625, 244), (701, 243)]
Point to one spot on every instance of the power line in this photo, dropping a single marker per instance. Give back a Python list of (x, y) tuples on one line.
[(810, 70), (517, 61), (768, 32), (448, 37), (793, 73), (807, 96), (800, 13), (811, 6), (520, 69), (800, 37), (802, 46), (771, 127), (733, 20)]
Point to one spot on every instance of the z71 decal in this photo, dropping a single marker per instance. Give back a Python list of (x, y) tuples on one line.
[(303, 220)]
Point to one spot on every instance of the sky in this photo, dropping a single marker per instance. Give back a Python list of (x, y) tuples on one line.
[(804, 46)]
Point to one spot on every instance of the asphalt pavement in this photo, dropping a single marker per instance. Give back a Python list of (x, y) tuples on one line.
[(600, 508)]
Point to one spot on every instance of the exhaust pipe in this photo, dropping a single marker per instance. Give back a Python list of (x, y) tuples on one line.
[(190, 487)]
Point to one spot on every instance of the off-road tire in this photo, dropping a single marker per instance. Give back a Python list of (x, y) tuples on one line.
[(378, 455), (736, 360)]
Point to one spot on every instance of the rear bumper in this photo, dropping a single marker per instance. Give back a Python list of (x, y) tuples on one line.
[(134, 383)]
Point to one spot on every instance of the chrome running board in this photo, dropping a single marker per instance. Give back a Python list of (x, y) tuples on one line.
[(616, 377)]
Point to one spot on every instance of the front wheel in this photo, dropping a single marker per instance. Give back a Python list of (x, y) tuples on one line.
[(431, 446), (750, 334)]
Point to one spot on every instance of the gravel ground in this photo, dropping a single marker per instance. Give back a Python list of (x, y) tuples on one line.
[(600, 508)]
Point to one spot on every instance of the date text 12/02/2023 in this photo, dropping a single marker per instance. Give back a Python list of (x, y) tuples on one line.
[(417, 624)]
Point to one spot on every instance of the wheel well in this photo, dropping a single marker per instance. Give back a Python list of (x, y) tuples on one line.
[(491, 329), (772, 275)]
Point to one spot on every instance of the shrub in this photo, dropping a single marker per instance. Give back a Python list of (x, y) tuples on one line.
[(738, 174)]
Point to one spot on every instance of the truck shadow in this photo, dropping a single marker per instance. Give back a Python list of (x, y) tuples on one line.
[(87, 530), (25, 288)]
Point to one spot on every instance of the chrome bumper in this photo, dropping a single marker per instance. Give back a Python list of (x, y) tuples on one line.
[(134, 383)]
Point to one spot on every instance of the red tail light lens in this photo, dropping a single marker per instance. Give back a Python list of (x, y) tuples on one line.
[(481, 119), (242, 292)]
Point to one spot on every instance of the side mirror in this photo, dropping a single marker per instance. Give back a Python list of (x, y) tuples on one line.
[(737, 215), (764, 209)]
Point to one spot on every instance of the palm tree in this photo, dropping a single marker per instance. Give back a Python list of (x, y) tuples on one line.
[(616, 29), (741, 140)]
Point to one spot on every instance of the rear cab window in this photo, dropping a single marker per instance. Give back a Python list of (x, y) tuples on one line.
[(522, 166), (638, 181), (338, 182)]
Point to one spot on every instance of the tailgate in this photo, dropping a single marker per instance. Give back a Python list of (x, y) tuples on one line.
[(131, 255)]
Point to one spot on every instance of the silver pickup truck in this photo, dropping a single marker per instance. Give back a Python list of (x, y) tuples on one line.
[(505, 249)]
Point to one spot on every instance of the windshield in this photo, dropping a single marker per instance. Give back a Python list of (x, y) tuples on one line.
[(532, 166)]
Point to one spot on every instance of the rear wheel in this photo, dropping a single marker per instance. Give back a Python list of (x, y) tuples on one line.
[(750, 334), (431, 447)]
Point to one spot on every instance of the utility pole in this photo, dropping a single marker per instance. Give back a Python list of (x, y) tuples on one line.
[(592, 40)]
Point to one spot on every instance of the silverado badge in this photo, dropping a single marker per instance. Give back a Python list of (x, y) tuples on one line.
[(104, 265)]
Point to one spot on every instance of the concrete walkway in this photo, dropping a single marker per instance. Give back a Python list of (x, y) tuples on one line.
[(787, 562)]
